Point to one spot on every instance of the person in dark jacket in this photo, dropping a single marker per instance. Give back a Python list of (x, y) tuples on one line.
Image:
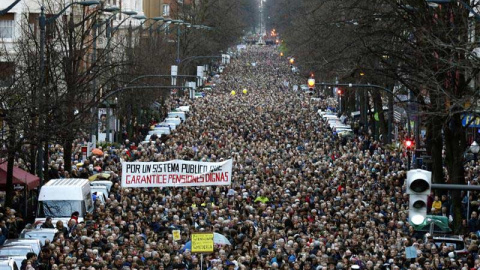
[(48, 223)]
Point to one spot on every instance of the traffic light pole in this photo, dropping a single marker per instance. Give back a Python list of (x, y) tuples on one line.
[(456, 187), (408, 159)]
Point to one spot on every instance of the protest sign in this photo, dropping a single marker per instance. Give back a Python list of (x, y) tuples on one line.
[(176, 173), (176, 235), (202, 242)]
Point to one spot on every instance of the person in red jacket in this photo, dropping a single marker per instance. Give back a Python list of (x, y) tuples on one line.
[(75, 216)]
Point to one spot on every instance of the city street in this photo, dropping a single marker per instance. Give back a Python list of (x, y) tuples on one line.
[(239, 135)]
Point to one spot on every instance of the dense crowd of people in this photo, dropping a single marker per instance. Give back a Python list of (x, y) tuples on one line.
[(302, 197)]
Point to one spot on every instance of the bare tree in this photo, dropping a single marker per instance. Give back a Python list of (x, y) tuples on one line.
[(425, 49)]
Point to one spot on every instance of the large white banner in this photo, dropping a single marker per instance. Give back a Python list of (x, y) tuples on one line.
[(176, 173)]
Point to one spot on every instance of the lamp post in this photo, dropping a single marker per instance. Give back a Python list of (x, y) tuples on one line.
[(113, 9), (474, 148), (108, 104), (6, 10), (43, 21), (179, 23)]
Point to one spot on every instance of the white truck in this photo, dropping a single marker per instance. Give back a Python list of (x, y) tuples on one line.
[(59, 198)]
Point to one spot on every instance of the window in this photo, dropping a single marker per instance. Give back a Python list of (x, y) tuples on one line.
[(166, 10), (6, 29), (7, 71)]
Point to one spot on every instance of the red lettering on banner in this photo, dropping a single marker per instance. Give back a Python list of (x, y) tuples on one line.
[(176, 179)]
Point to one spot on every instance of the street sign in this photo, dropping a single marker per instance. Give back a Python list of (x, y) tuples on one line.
[(174, 73), (84, 153)]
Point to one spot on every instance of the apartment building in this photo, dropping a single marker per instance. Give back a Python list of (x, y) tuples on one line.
[(164, 8)]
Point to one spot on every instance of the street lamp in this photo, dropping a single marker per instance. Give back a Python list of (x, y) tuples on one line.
[(43, 21), (474, 148), (130, 12), (179, 23), (6, 10), (114, 10)]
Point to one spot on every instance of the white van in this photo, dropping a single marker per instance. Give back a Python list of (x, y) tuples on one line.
[(175, 121), (330, 116), (171, 125), (180, 115), (184, 108), (59, 198)]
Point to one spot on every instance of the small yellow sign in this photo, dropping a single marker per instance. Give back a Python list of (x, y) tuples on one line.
[(176, 235), (202, 242)]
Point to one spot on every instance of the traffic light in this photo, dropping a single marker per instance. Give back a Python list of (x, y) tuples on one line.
[(419, 185), (339, 91), (408, 143), (311, 83)]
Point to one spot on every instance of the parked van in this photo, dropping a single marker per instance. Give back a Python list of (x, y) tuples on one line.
[(59, 198), (171, 125), (102, 189), (185, 108), (175, 121), (180, 115)]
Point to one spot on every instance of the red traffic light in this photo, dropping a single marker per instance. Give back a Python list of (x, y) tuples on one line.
[(339, 91), (408, 143)]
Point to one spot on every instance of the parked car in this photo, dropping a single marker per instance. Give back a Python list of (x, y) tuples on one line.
[(174, 114), (327, 117), (17, 253), (7, 263), (159, 131), (40, 234), (451, 240), (34, 243)]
